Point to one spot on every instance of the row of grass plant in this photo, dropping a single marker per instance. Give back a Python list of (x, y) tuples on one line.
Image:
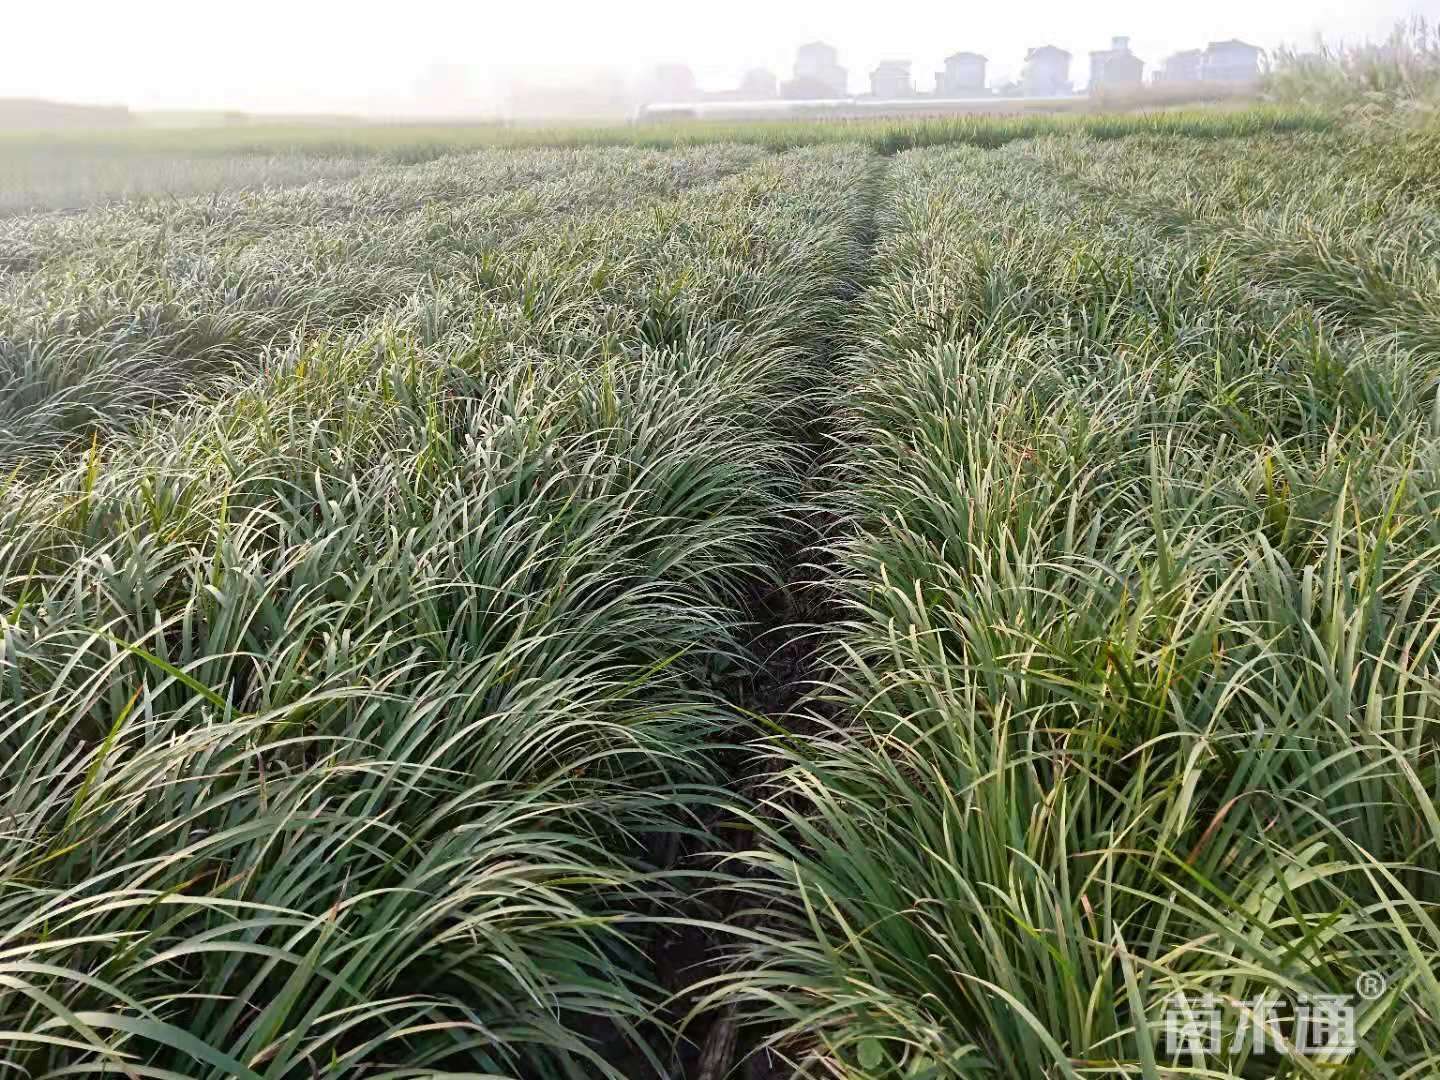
[(72, 170), (39, 175), (131, 309), (346, 719), (231, 220), (1359, 248), (1138, 692)]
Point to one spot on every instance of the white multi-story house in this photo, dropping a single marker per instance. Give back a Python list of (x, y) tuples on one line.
[(1230, 62), (1046, 72), (1116, 68), (1181, 67), (964, 76), (891, 80), (818, 73)]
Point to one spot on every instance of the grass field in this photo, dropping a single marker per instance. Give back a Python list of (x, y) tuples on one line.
[(62, 170), (857, 601)]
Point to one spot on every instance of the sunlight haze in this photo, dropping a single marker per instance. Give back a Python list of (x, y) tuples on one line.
[(432, 57)]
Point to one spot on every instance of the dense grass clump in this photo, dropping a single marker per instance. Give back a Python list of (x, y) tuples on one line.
[(107, 316), (1138, 691), (346, 717), (45, 174), (1403, 71), (397, 542)]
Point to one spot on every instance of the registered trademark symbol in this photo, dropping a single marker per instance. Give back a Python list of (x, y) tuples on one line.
[(1371, 985)]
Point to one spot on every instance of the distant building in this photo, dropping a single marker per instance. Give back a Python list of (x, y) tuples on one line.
[(759, 84), (671, 82), (1046, 72), (1116, 68), (817, 68), (1181, 67), (964, 76), (891, 80), (1230, 62)]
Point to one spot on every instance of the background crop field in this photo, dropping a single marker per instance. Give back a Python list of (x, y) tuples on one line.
[(861, 601), (70, 171)]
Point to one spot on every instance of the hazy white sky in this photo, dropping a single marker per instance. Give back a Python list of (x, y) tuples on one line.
[(367, 55)]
